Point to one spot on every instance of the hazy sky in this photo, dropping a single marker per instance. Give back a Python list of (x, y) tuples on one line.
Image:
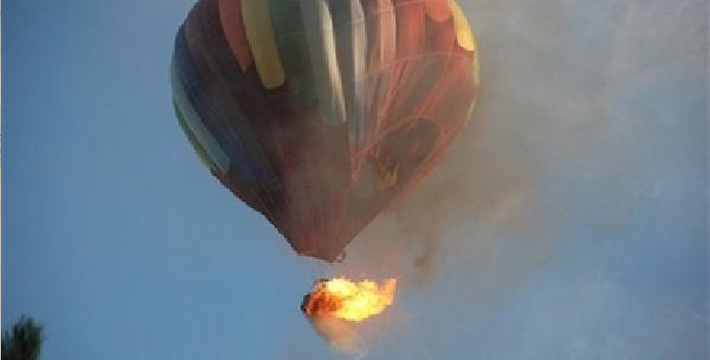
[(569, 221)]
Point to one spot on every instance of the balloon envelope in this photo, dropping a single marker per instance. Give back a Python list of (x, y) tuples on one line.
[(319, 113)]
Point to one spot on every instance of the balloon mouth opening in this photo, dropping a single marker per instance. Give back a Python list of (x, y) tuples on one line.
[(332, 258)]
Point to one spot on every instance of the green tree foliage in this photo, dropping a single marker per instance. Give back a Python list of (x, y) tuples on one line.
[(23, 341)]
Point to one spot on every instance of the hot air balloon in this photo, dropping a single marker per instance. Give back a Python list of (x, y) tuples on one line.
[(320, 113)]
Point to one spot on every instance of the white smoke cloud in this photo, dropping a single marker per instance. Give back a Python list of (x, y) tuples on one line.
[(587, 110)]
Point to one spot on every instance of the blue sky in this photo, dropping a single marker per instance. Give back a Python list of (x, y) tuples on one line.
[(569, 221)]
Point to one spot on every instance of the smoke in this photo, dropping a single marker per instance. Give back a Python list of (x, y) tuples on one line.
[(342, 336), (561, 107), (588, 112), (355, 340)]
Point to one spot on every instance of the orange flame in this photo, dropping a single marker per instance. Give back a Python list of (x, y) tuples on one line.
[(348, 300)]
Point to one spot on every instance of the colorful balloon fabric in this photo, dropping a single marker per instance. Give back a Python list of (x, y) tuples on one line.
[(320, 113)]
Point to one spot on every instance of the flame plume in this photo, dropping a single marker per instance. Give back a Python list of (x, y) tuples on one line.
[(348, 300)]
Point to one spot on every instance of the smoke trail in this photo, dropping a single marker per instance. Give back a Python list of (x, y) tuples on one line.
[(558, 82), (588, 112)]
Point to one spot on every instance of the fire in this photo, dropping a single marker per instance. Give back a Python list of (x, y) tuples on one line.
[(348, 300)]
